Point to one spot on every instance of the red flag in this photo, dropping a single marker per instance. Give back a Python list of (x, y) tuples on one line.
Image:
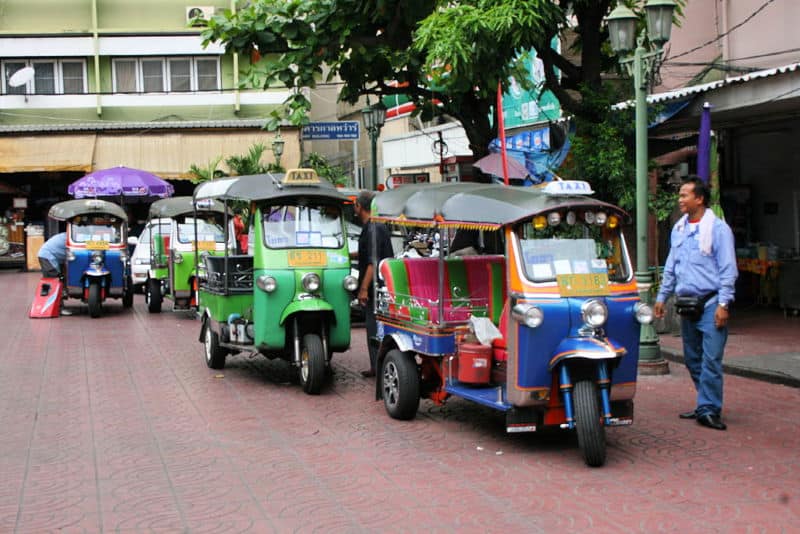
[(501, 131)]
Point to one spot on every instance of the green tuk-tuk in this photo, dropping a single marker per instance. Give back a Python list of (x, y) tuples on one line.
[(182, 234), (289, 296)]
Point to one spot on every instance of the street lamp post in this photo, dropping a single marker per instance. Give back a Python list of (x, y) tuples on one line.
[(643, 62), (374, 119), (277, 148)]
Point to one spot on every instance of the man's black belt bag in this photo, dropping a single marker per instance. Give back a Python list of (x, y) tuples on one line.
[(692, 307)]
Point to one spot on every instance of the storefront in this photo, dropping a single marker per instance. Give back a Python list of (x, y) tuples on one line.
[(756, 119)]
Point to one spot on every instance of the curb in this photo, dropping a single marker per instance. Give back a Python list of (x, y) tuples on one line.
[(764, 375)]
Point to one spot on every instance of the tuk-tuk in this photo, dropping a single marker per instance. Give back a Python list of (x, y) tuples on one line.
[(98, 265), (289, 296), (544, 329), (182, 234)]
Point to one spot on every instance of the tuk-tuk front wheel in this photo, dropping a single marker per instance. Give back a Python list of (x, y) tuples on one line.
[(215, 355), (400, 385), (590, 428), (312, 364), (95, 305), (153, 295)]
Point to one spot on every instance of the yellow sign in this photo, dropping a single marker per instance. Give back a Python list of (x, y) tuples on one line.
[(97, 245), (301, 177), (307, 258), (206, 245), (583, 285)]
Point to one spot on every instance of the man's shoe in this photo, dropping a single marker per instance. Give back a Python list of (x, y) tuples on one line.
[(712, 421), (65, 312), (688, 415), (368, 374)]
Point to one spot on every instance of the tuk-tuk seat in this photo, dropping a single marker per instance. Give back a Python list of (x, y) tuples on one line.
[(499, 346), (239, 274)]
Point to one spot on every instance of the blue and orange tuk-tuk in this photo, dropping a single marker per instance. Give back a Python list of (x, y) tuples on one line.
[(98, 266), (543, 326)]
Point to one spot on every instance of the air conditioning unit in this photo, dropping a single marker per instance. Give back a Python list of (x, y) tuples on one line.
[(194, 12)]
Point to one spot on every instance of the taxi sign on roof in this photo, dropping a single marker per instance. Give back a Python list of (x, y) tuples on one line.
[(568, 187), (301, 177)]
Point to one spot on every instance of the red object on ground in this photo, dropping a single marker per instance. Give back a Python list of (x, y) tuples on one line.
[(474, 363), (47, 300)]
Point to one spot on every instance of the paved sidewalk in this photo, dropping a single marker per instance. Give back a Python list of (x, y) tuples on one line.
[(116, 425), (763, 344)]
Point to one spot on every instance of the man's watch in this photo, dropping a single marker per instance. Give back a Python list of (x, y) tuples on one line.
[(723, 305)]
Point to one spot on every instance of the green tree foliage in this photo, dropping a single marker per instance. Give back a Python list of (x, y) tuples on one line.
[(333, 173), (249, 163), (369, 43), (209, 172)]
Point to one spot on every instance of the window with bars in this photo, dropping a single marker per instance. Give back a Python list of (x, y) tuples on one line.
[(51, 77), (170, 75)]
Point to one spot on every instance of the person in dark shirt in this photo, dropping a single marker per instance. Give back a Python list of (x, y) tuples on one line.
[(370, 253)]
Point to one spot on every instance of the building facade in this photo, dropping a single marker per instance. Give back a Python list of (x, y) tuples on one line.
[(92, 84)]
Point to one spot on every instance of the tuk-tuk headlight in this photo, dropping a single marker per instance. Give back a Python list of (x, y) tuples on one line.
[(589, 217), (594, 313), (600, 218), (613, 221), (643, 313), (267, 283), (350, 283), (571, 218), (96, 259), (70, 255), (553, 218), (528, 314), (311, 282), (539, 222), (177, 257)]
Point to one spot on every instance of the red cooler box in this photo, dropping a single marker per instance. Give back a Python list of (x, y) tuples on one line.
[(474, 363)]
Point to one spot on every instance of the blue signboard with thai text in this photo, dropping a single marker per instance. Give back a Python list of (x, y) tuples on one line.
[(341, 130)]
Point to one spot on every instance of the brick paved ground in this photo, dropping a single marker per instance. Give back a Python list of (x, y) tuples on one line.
[(116, 425)]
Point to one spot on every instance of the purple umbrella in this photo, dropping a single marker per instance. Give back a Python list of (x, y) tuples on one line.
[(120, 181)]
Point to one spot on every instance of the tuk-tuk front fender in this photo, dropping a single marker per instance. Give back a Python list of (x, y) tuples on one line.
[(587, 348), (305, 306)]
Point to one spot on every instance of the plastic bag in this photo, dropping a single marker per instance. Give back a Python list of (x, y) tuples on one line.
[(484, 329)]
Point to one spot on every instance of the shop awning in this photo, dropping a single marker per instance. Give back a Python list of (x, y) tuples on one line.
[(171, 154), (50, 153), (735, 101)]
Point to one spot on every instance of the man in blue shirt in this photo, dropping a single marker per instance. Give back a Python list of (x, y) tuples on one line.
[(53, 255), (701, 263)]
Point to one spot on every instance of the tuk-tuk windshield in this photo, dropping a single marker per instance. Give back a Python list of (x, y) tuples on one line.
[(306, 226), (572, 249), (105, 228), (207, 230)]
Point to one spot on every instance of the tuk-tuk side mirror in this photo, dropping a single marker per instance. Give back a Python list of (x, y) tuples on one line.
[(133, 240)]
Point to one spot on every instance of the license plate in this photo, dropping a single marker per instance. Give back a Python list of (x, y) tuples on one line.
[(307, 258), (97, 245), (206, 245), (583, 285)]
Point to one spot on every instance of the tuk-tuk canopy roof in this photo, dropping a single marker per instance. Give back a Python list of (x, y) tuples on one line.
[(172, 207), (263, 186), (473, 205), (72, 208)]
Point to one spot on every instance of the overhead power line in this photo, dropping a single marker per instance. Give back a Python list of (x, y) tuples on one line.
[(720, 36)]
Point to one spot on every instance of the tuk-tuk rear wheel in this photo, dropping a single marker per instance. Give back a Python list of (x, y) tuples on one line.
[(312, 364), (400, 385), (215, 355), (153, 294), (591, 431), (95, 306)]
